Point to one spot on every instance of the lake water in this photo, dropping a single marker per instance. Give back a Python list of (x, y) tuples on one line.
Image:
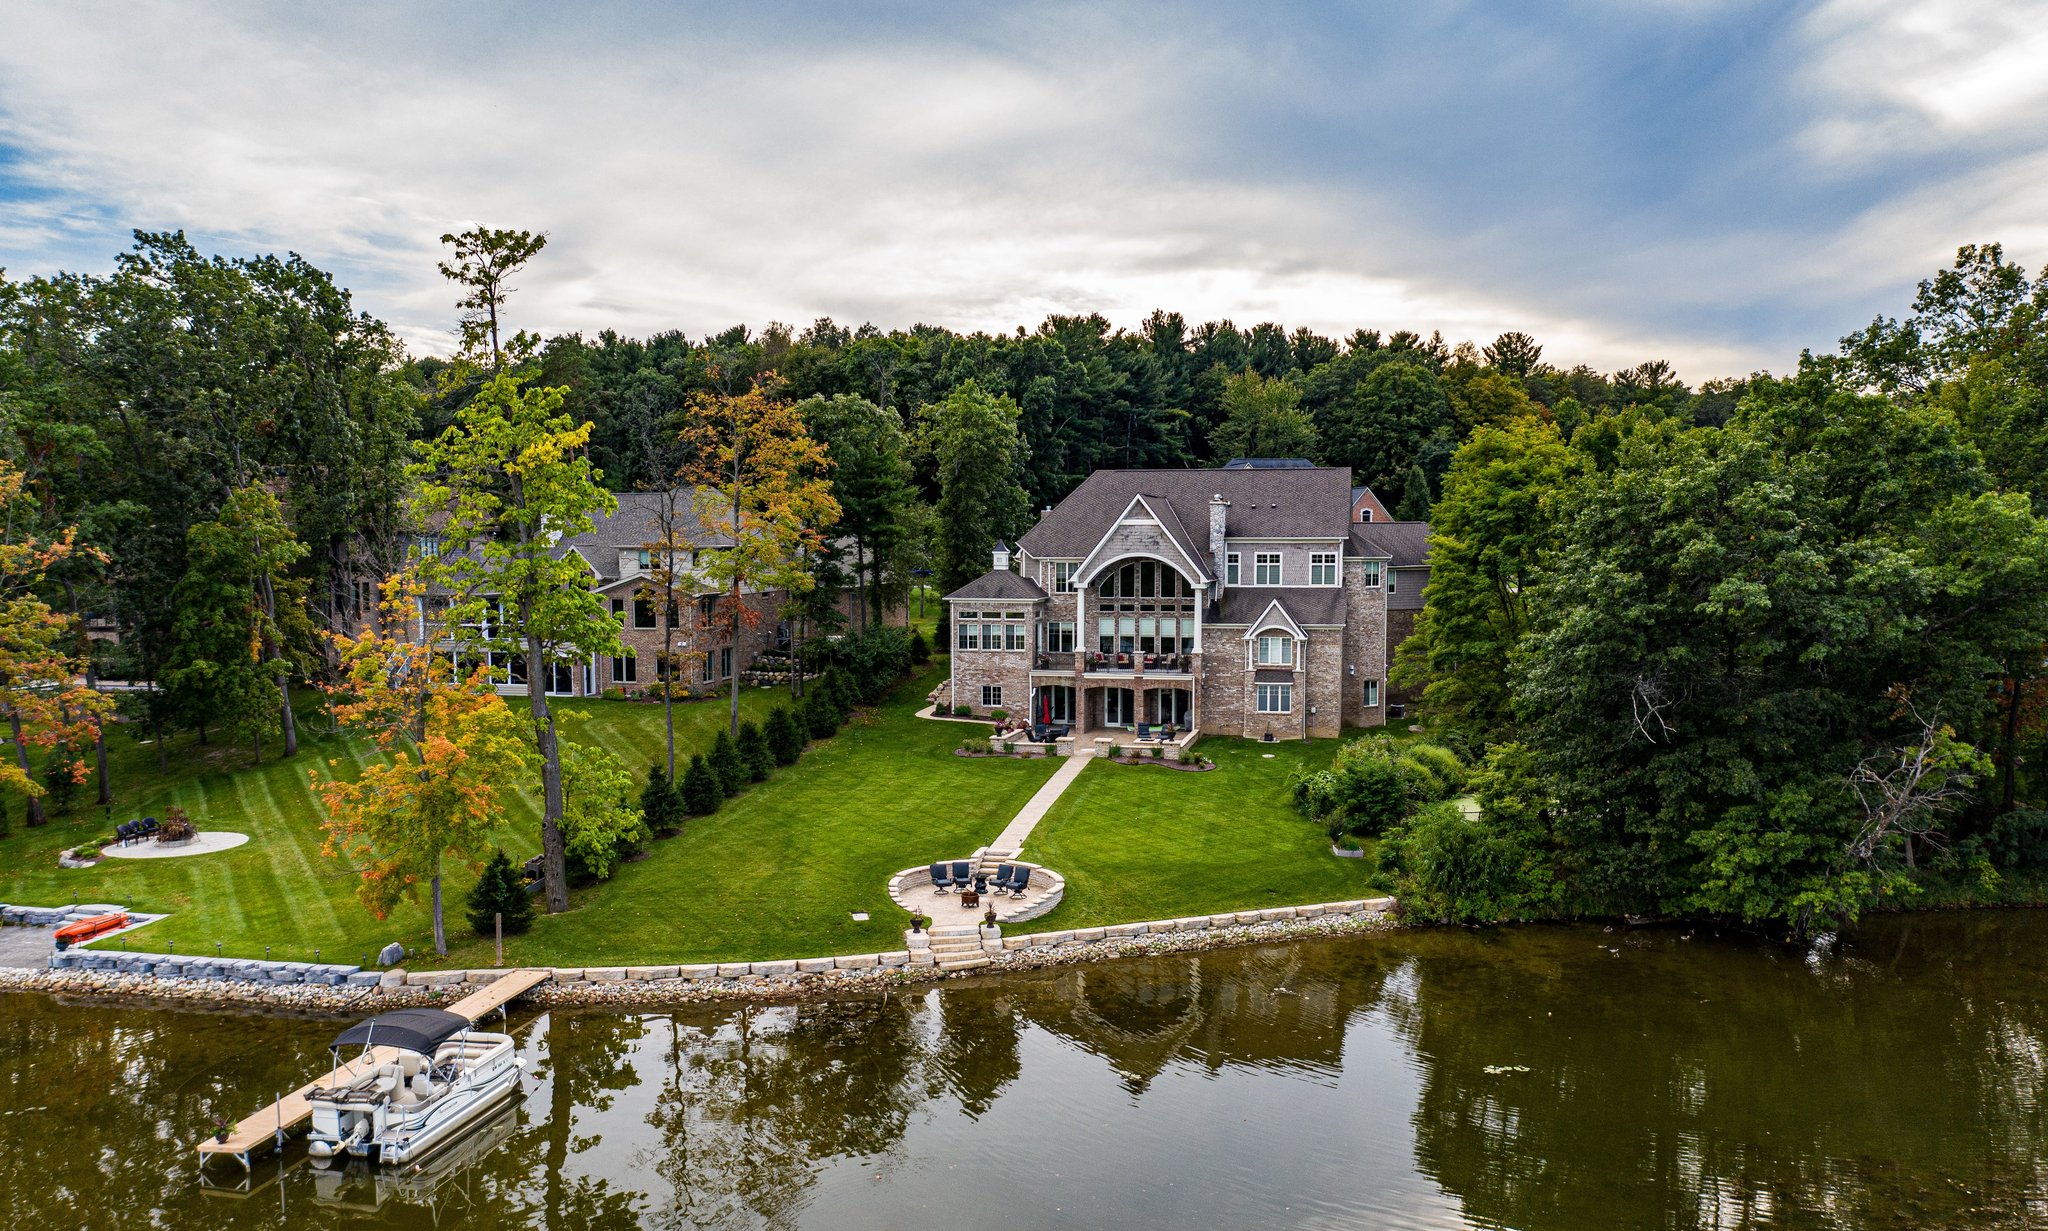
[(1569, 1078)]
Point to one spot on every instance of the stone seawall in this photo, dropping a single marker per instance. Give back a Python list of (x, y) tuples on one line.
[(655, 986)]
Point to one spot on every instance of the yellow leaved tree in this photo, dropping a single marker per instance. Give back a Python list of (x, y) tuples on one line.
[(451, 746)]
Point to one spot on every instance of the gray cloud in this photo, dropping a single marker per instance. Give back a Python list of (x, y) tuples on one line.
[(1705, 182)]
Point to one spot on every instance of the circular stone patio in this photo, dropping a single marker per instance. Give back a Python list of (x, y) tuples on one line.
[(912, 890), (208, 842)]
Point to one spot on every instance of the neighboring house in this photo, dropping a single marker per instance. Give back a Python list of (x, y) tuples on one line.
[(1245, 600), (1366, 507), (615, 551)]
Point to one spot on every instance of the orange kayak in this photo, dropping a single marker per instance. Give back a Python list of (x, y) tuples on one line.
[(86, 929)]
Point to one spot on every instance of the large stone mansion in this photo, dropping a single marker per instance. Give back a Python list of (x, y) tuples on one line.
[(1262, 598)]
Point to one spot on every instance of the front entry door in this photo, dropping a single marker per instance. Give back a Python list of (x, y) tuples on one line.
[(1117, 710)]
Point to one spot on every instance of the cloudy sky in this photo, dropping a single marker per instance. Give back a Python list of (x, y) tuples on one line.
[(1718, 183)]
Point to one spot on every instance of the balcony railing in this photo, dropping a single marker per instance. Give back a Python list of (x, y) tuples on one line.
[(1096, 663)]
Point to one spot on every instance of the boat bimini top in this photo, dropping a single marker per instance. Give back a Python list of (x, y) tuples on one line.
[(414, 1030)]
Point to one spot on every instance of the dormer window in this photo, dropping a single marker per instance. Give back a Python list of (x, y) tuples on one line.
[(1275, 650), (1365, 514), (646, 559), (1230, 569), (1266, 568)]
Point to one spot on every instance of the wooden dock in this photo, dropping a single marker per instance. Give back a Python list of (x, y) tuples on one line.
[(293, 1110), (492, 996)]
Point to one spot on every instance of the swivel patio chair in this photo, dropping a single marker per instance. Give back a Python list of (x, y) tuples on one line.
[(1020, 880), (1003, 875), (942, 880), (963, 874)]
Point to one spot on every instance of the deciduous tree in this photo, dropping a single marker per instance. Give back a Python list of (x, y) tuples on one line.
[(763, 497), (450, 745)]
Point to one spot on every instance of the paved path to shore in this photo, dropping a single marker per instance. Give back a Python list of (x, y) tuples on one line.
[(1034, 810)]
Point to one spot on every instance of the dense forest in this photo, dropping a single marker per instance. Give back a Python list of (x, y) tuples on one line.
[(1768, 647), (1777, 668), (137, 403)]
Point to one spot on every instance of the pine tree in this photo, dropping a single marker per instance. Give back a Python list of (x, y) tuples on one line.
[(839, 692), (661, 804), (728, 764), (785, 737), (920, 649), (1415, 499), (500, 891), (701, 792), (754, 752), (821, 717)]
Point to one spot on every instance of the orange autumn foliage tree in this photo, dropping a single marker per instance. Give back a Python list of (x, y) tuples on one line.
[(41, 689), (451, 746), (762, 498)]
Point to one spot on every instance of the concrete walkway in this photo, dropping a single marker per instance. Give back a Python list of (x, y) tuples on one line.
[(1034, 810)]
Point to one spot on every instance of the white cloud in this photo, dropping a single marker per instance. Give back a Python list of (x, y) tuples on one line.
[(693, 177), (1926, 75)]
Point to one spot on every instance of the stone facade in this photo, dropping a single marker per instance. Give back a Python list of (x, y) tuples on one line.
[(1165, 621)]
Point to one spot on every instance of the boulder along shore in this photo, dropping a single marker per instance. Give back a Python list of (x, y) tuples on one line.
[(315, 1000)]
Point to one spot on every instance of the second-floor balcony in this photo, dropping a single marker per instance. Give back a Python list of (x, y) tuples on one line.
[(1130, 662)]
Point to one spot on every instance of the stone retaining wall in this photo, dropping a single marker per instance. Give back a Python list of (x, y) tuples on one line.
[(229, 982)]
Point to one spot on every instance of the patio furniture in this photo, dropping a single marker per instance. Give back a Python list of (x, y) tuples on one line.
[(1020, 881), (1144, 731), (942, 880), (980, 883), (1003, 875), (963, 874)]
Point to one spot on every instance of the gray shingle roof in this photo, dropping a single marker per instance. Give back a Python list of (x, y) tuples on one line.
[(632, 526), (1407, 542), (1307, 604), (1001, 585), (1264, 503)]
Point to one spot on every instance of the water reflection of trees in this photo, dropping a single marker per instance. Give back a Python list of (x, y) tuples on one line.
[(755, 1103), (1892, 1082)]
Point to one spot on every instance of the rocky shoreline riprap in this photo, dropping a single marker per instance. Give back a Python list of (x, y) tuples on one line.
[(654, 993)]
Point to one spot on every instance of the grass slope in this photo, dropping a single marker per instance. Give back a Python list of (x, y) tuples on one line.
[(279, 890), (778, 872), (1138, 842)]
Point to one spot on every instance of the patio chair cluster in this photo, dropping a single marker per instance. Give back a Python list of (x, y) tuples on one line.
[(1156, 732), (136, 831), (1011, 878)]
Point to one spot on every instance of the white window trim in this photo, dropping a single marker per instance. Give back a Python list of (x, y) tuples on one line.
[(1231, 572), (1372, 694), (1324, 560), (1284, 692), (1259, 644), (992, 695), (1273, 559)]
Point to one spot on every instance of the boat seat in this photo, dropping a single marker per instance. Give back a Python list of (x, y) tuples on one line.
[(409, 1064), (405, 1098), (423, 1085)]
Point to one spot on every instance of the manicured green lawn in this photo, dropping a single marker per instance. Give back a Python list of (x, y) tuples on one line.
[(775, 873), (778, 872), (279, 890), (1139, 842)]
